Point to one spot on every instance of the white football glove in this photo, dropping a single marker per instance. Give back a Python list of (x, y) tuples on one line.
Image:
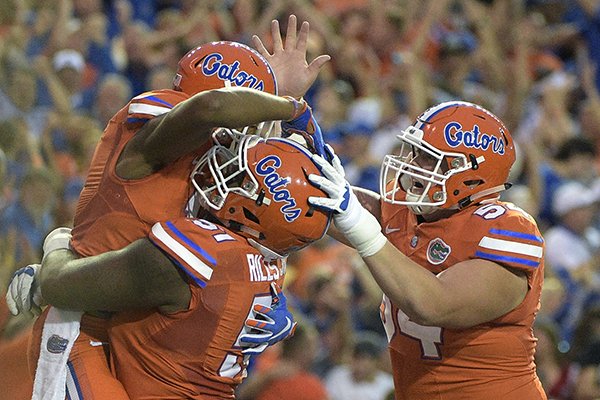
[(359, 226), (58, 239), (23, 294)]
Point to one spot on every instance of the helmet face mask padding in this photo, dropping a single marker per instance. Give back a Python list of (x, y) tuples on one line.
[(473, 152), (259, 187)]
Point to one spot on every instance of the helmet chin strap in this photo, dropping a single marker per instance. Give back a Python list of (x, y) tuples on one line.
[(419, 209), (426, 210), (267, 253), (484, 193)]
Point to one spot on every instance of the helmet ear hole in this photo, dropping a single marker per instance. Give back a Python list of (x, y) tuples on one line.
[(473, 183)]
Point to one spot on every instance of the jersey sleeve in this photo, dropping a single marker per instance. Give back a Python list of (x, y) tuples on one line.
[(191, 246), (146, 106), (513, 240)]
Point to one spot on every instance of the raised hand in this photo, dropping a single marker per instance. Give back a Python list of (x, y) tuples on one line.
[(293, 73)]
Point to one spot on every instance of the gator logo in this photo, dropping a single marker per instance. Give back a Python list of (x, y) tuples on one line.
[(267, 167), (212, 65), (437, 251), (455, 136), (56, 344)]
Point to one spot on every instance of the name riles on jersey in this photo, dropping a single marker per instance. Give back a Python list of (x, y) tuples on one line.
[(194, 244), (261, 270)]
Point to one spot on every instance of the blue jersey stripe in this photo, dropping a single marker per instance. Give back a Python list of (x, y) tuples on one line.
[(175, 261), (159, 100), (198, 281), (519, 235), (516, 260), (192, 244), (78, 395), (136, 120)]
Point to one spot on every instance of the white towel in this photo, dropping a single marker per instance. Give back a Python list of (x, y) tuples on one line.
[(60, 331)]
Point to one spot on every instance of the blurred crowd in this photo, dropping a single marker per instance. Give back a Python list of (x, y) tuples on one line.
[(66, 66)]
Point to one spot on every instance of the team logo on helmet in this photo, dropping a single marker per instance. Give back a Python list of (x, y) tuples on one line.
[(212, 64), (438, 251), (455, 136), (267, 167)]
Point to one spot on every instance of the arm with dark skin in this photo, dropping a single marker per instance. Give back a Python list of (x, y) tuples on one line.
[(189, 125), (138, 276)]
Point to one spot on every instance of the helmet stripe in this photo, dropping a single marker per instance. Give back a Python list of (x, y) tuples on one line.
[(430, 112)]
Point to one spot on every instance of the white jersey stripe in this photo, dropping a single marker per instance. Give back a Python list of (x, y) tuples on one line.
[(510, 246), (71, 385), (144, 95), (139, 108), (196, 263)]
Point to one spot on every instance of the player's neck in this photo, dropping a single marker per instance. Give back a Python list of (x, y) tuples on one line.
[(435, 215)]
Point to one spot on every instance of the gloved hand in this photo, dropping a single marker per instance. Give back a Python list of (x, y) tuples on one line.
[(359, 226), (23, 293), (304, 124), (268, 325)]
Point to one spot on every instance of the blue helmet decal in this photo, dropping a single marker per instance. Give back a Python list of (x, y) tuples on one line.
[(267, 167), (456, 136), (212, 65)]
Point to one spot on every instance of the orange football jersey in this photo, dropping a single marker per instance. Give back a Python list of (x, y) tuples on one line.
[(494, 360), (113, 212), (195, 353)]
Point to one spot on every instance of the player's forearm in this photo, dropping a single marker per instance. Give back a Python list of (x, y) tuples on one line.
[(56, 281), (190, 125), (135, 277), (249, 107), (411, 287), (232, 108), (80, 284)]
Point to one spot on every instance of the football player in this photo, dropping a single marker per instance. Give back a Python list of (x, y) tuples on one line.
[(206, 277), (461, 271), (140, 172)]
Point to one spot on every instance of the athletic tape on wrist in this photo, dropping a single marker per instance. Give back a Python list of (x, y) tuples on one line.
[(58, 239), (365, 236), (299, 107)]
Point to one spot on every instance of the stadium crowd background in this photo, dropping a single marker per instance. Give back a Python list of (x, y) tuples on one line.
[(66, 66)]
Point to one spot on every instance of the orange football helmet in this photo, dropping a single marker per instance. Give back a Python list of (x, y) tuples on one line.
[(455, 153), (219, 64), (259, 188)]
